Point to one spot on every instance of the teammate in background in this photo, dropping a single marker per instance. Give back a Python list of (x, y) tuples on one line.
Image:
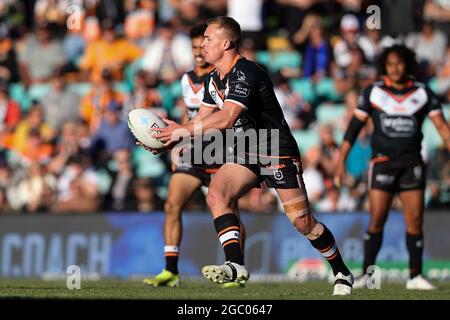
[(187, 178), (398, 106), (239, 95)]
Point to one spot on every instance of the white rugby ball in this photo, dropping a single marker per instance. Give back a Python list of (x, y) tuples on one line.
[(140, 122)]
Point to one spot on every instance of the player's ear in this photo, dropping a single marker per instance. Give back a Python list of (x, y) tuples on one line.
[(228, 45)]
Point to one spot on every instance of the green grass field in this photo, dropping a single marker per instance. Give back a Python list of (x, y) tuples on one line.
[(204, 290)]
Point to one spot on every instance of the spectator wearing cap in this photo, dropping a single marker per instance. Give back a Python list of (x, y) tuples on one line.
[(41, 56), (109, 52), (96, 101), (165, 57), (9, 69), (112, 135), (348, 40), (9, 116)]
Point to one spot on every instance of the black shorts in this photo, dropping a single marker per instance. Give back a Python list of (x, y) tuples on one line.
[(201, 172), (396, 176), (287, 174)]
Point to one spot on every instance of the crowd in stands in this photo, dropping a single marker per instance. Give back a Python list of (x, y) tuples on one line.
[(71, 70)]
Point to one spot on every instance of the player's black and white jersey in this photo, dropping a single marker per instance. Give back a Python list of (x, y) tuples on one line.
[(398, 116), (249, 86), (193, 89)]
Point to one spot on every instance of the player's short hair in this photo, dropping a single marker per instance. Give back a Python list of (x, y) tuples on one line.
[(232, 28), (198, 30), (406, 54)]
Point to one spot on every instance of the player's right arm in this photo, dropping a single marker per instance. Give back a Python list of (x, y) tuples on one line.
[(360, 116)]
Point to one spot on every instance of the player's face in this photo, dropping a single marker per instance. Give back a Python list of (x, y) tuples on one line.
[(197, 52), (395, 67), (214, 44)]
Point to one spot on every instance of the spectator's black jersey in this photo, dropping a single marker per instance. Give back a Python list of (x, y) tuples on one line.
[(249, 86), (397, 116)]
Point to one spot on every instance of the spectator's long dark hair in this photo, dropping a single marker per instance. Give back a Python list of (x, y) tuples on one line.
[(406, 54)]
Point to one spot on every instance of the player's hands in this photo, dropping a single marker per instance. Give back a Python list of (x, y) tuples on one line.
[(339, 177), (172, 133)]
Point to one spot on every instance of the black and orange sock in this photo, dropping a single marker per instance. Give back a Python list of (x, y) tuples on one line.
[(372, 245), (326, 244), (228, 230), (414, 243), (171, 255)]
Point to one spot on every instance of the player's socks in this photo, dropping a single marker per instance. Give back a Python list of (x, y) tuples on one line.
[(326, 244), (227, 228), (171, 255), (372, 245), (414, 243)]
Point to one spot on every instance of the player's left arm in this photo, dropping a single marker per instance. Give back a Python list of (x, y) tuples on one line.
[(436, 115), (442, 127)]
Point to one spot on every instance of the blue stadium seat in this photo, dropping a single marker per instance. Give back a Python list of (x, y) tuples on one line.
[(327, 113), (325, 88), (306, 139), (279, 60), (18, 93), (104, 181), (38, 91), (147, 164), (81, 88), (129, 72), (304, 87)]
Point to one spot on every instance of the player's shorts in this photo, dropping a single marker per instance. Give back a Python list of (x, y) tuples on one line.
[(395, 175), (286, 174), (201, 172)]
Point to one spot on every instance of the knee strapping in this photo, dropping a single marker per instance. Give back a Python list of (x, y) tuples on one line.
[(297, 208)]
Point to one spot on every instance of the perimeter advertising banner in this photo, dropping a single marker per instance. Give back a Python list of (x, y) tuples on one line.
[(131, 245)]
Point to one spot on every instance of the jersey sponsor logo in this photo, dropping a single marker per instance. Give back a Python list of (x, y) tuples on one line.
[(239, 89), (398, 126)]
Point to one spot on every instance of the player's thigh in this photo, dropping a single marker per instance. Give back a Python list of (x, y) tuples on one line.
[(232, 181), (413, 207), (380, 203), (182, 187)]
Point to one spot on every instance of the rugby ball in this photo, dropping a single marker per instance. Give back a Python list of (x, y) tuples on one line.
[(140, 122)]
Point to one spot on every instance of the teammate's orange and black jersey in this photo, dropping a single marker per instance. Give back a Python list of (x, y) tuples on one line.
[(249, 86), (398, 116), (193, 90)]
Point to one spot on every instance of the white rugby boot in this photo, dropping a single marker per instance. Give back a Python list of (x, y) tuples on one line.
[(343, 285), (419, 283), (361, 282), (228, 272)]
